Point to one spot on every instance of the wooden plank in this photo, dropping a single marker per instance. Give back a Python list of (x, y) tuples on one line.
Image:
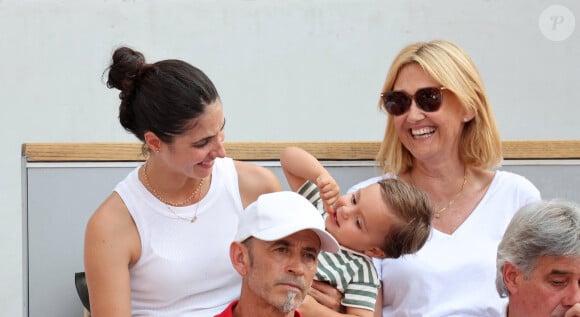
[(82, 152), (266, 151), (128, 152), (355, 151), (551, 149)]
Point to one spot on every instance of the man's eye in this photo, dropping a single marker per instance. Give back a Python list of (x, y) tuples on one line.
[(558, 282), (310, 256), (281, 250)]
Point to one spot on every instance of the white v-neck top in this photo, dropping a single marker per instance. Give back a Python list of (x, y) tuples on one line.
[(454, 275)]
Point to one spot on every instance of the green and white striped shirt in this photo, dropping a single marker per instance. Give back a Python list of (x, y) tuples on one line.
[(351, 272)]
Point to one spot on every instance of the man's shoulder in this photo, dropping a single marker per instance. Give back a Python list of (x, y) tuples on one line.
[(228, 312)]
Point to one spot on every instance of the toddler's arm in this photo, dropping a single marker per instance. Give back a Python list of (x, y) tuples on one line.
[(300, 166), (311, 308)]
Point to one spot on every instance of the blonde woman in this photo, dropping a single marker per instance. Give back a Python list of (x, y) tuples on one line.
[(441, 136)]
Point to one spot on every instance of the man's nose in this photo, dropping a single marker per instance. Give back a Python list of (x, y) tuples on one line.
[(296, 264), (572, 295)]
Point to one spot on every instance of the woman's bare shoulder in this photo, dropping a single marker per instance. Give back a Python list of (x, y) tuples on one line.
[(111, 213), (255, 180), (111, 223)]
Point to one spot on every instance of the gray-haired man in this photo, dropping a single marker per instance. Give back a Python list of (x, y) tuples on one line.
[(538, 261)]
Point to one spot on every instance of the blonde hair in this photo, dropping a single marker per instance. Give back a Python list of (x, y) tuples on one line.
[(447, 63)]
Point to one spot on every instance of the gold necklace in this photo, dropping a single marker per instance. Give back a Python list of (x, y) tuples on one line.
[(452, 201), (169, 203)]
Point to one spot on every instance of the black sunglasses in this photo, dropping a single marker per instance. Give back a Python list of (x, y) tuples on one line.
[(397, 102)]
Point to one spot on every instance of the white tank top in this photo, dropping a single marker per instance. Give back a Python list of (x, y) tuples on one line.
[(184, 268)]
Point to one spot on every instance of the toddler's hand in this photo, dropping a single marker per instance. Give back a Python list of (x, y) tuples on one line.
[(329, 190)]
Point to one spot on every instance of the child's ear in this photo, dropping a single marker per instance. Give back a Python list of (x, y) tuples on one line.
[(375, 252)]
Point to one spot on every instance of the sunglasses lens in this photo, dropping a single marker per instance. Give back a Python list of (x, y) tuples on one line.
[(429, 99), (396, 102)]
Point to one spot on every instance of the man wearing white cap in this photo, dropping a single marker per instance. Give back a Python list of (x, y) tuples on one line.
[(275, 251)]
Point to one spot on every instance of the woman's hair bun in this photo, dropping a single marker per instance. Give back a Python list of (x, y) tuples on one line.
[(124, 70)]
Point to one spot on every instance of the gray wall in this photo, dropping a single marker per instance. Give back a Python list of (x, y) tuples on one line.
[(55, 222), (319, 63)]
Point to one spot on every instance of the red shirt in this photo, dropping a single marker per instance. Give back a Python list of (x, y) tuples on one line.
[(228, 312)]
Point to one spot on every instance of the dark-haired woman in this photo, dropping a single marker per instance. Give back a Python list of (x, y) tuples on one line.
[(159, 244)]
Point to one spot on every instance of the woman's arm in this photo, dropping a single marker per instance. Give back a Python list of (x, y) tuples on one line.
[(379, 303), (254, 181), (311, 308), (112, 243), (326, 295), (325, 300)]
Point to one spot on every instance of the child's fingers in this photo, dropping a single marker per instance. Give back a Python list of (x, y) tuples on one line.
[(329, 208), (329, 192), (330, 202)]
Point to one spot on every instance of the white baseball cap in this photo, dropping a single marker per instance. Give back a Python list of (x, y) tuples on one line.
[(277, 215)]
